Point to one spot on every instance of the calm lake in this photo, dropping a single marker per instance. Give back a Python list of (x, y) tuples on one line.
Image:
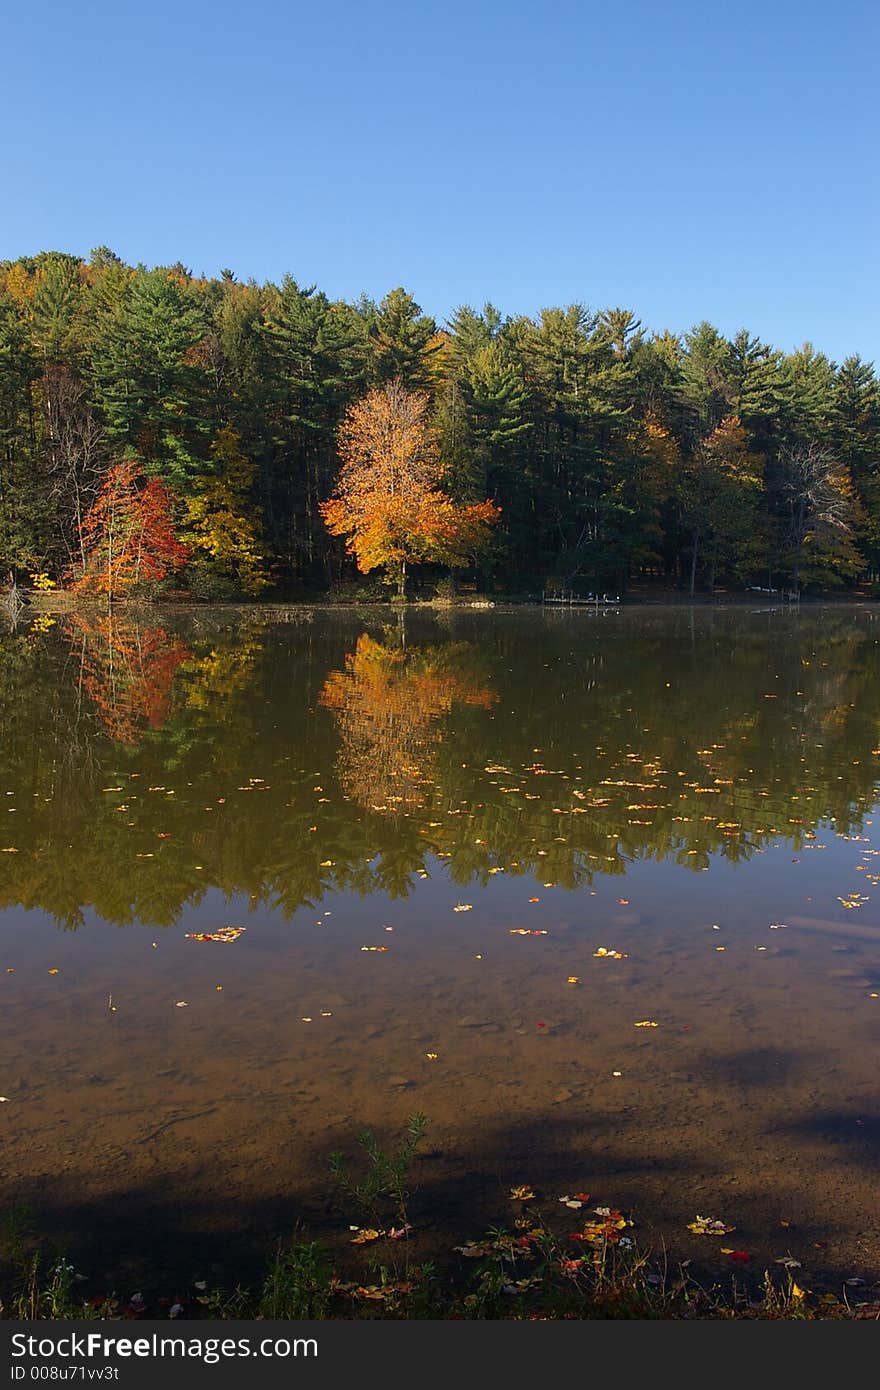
[(469, 854)]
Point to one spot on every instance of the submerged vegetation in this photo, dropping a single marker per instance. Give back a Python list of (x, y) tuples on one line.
[(160, 429), (528, 1268)]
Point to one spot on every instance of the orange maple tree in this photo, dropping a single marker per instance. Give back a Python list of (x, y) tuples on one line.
[(128, 534), (388, 502)]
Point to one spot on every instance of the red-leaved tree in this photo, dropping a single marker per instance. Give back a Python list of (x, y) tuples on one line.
[(128, 536)]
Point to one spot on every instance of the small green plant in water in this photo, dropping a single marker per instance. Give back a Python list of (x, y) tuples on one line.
[(297, 1284), (381, 1196)]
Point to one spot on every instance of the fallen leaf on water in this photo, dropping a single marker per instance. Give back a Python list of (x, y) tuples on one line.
[(602, 951), (374, 948), (709, 1226), (226, 934), (606, 1230), (54, 970), (181, 1004), (534, 900), (646, 1023), (573, 980), (463, 907), (363, 1237), (528, 931), (624, 902)]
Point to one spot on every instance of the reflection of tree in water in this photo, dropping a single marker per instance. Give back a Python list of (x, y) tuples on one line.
[(648, 741), (389, 704), (127, 670)]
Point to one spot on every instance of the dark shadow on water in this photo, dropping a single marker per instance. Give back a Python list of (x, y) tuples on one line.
[(165, 1234), (757, 1067)]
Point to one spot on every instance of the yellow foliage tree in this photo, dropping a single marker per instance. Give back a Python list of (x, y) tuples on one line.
[(387, 502), (219, 519)]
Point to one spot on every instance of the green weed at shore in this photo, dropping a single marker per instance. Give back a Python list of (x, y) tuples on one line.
[(522, 1270)]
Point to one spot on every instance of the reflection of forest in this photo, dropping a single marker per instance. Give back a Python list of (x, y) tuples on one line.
[(147, 762), (389, 702), (126, 669)]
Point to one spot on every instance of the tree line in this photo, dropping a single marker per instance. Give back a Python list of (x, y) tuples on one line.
[(203, 427)]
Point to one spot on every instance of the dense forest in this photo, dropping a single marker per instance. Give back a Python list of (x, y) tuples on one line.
[(612, 454)]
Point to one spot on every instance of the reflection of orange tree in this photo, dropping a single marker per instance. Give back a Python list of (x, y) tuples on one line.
[(389, 703), (127, 670)]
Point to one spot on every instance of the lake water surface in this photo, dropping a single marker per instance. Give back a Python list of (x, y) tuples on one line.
[(430, 831)]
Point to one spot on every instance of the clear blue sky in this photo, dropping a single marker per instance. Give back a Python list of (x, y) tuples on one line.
[(688, 159)]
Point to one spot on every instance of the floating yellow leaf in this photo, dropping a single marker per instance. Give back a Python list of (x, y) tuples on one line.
[(225, 934), (709, 1226), (363, 1237), (646, 1023)]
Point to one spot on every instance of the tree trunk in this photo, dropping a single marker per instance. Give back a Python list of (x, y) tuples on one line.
[(401, 581), (693, 580)]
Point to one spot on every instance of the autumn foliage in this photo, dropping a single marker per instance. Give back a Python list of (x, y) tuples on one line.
[(128, 672), (128, 535), (390, 704), (388, 502)]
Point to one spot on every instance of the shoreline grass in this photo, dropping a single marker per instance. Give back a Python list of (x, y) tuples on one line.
[(527, 1269)]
